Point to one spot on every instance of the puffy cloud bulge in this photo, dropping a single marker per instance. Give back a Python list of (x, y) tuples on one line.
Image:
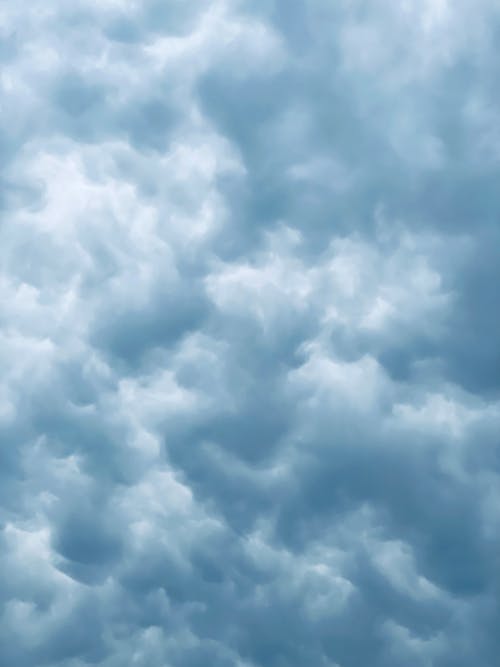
[(249, 332)]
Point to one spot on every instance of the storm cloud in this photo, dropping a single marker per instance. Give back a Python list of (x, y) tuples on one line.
[(249, 333)]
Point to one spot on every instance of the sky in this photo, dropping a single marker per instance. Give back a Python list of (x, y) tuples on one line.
[(249, 333)]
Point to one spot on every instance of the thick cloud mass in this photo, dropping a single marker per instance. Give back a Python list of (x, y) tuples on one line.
[(249, 333)]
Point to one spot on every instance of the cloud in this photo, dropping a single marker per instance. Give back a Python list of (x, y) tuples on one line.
[(249, 394)]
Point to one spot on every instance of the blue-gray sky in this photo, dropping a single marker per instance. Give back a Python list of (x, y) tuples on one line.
[(249, 333)]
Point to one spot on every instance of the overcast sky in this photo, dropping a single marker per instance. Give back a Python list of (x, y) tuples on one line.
[(249, 333)]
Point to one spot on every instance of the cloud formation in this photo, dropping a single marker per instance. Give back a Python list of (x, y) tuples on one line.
[(250, 372)]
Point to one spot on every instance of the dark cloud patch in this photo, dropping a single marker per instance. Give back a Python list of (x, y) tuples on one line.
[(160, 322), (473, 356)]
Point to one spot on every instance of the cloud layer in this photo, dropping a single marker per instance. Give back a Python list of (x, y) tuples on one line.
[(250, 371)]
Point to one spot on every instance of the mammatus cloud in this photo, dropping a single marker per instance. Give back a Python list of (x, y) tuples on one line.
[(249, 395)]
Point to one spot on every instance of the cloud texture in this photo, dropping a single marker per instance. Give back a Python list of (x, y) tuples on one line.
[(249, 333)]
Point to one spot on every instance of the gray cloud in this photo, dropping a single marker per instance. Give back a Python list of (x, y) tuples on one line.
[(248, 339)]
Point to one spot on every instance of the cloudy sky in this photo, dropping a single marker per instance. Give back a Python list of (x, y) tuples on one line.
[(249, 333)]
